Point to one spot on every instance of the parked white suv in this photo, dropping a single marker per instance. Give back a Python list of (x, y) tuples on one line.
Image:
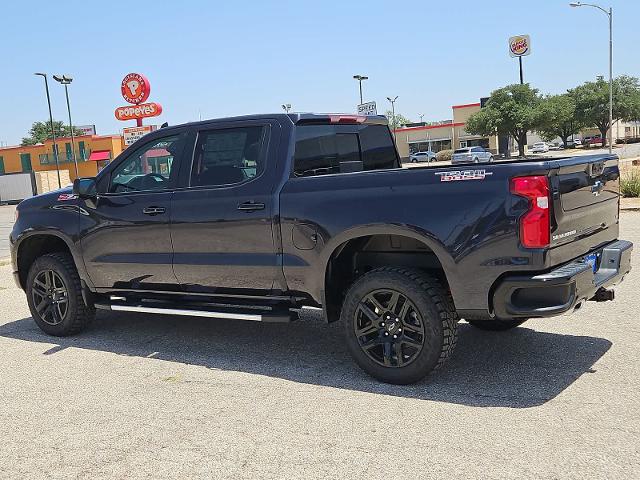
[(539, 147), (471, 155)]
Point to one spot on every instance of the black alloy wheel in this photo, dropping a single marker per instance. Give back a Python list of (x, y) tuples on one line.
[(54, 294), (50, 297), (399, 324), (389, 328)]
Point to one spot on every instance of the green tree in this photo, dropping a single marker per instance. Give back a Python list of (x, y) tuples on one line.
[(557, 117), (41, 131), (511, 110), (399, 121), (592, 102)]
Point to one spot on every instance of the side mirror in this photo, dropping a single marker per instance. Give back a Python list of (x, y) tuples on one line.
[(85, 187)]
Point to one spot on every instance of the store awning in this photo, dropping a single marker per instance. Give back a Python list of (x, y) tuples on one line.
[(157, 152), (99, 155)]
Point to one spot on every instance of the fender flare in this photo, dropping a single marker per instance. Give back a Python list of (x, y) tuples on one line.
[(71, 245), (416, 233)]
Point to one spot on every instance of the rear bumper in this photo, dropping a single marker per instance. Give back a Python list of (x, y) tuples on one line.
[(562, 289)]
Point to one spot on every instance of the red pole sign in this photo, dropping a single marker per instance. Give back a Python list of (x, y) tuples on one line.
[(135, 89)]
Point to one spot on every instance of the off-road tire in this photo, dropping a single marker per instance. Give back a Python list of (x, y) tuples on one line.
[(78, 315), (433, 303), (497, 325)]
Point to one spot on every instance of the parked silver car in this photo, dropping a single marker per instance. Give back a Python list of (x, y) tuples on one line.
[(471, 155), (427, 156)]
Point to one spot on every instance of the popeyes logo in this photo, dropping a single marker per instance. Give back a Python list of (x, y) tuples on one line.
[(133, 112), (519, 46), (135, 88)]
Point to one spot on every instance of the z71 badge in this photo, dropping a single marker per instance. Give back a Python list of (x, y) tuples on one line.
[(460, 175)]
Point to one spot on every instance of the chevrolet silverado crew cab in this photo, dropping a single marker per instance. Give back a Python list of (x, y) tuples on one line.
[(254, 217)]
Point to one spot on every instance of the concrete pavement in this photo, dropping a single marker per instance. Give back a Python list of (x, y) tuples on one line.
[(7, 213), (159, 397)]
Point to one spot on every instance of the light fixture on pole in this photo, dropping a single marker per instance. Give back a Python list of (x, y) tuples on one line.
[(286, 107), (53, 130), (360, 78), (609, 14), (421, 116), (393, 115), (66, 80)]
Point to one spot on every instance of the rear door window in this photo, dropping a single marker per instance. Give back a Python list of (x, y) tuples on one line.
[(327, 149), (228, 156)]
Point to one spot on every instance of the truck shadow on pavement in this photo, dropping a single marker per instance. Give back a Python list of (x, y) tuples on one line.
[(520, 368)]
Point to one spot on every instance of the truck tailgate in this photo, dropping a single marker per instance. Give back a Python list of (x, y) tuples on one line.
[(585, 196)]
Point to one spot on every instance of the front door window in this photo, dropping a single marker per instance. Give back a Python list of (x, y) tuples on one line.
[(148, 168)]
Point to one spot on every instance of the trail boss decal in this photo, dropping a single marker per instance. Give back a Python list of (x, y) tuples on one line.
[(63, 197), (460, 175)]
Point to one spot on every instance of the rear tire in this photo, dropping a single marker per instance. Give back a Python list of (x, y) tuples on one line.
[(54, 295), (497, 325), (399, 341)]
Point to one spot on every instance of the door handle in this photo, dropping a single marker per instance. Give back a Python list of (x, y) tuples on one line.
[(251, 206), (153, 210)]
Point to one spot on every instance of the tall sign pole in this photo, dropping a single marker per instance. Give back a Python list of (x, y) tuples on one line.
[(521, 77), (520, 46)]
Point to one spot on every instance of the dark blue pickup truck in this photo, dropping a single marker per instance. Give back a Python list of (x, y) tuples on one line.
[(254, 217)]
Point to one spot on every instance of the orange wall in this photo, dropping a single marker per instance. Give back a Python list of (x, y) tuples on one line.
[(86, 168)]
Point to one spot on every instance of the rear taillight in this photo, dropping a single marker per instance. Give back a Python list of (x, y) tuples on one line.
[(535, 224)]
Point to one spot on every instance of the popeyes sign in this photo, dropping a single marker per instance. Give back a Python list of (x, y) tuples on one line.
[(135, 89), (520, 46), (132, 112)]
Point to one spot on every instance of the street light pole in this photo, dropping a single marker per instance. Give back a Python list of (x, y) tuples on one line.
[(609, 14), (286, 107), (53, 130), (393, 116), (360, 78), (66, 80), (610, 80)]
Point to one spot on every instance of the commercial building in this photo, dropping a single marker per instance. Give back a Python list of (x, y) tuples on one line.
[(444, 135), (92, 153)]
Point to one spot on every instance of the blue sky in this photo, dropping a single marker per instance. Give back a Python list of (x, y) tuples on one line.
[(216, 59)]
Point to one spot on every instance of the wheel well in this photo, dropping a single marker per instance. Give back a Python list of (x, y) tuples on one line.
[(360, 255), (34, 247)]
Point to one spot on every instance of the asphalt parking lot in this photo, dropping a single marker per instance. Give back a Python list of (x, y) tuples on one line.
[(159, 397)]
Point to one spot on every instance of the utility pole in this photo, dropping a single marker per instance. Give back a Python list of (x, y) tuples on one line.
[(609, 14)]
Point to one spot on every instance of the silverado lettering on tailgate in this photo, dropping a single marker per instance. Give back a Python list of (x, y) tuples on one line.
[(459, 175)]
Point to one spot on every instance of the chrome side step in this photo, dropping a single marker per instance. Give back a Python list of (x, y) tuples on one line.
[(258, 316)]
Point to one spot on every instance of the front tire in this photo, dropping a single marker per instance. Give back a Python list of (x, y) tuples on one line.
[(54, 295), (400, 324), (497, 325)]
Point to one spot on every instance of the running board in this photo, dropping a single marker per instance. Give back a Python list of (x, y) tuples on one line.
[(258, 316)]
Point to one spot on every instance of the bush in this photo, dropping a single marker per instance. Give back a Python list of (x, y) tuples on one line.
[(630, 185), (444, 155)]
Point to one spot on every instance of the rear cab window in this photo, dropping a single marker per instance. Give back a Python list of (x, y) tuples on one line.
[(329, 149)]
